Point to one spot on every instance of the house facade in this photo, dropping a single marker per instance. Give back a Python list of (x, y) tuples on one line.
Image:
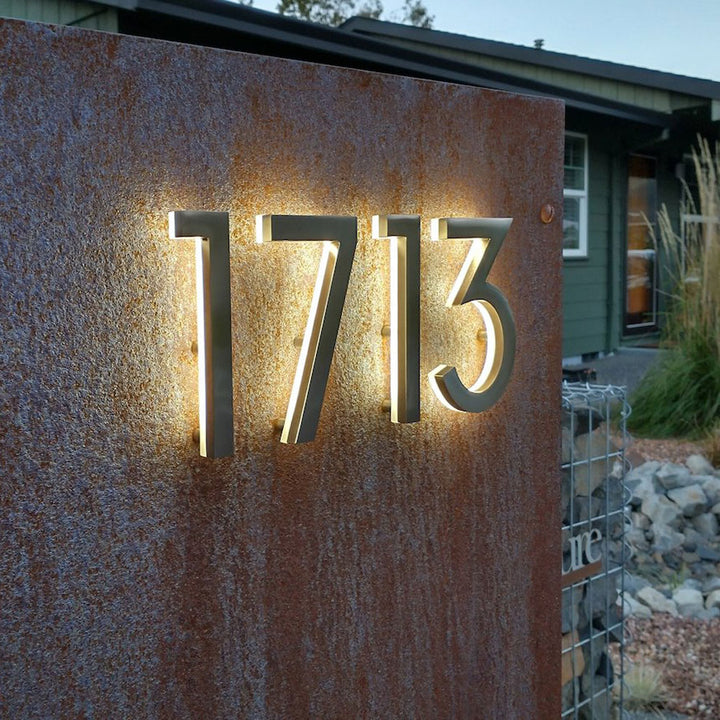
[(629, 132)]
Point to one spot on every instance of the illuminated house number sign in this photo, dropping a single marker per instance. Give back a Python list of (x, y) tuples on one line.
[(338, 236)]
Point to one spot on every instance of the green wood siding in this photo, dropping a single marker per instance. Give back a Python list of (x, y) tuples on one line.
[(644, 97), (62, 12), (585, 280)]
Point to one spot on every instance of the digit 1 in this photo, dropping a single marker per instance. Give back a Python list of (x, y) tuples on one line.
[(338, 236), (403, 231), (211, 232), (487, 235)]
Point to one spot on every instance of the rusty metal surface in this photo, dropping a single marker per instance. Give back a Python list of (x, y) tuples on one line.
[(383, 571)]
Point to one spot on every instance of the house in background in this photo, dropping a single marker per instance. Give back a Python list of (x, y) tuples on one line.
[(629, 132), (628, 135)]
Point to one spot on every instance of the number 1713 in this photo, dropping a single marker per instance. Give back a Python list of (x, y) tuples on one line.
[(338, 236)]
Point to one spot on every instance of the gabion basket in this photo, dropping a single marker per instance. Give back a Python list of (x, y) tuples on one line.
[(593, 527)]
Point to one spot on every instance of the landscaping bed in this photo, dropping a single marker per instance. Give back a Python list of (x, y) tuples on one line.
[(684, 650)]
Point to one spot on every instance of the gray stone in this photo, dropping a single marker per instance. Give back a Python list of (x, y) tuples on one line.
[(689, 545), (703, 570), (637, 539), (715, 509), (594, 657), (665, 538), (711, 487), (691, 500), (692, 584), (656, 601), (693, 536), (592, 469), (634, 607), (707, 552), (673, 559), (613, 493), (661, 510), (711, 584), (615, 549), (570, 614), (565, 496), (600, 595), (602, 703), (707, 615), (633, 583), (713, 599), (689, 602), (642, 490), (616, 527), (640, 521), (698, 465), (567, 445), (612, 623), (672, 476), (583, 508), (706, 524), (583, 418), (646, 470), (570, 690)]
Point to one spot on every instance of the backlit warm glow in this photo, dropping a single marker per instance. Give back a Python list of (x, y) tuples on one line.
[(487, 235), (403, 232), (338, 236), (211, 235)]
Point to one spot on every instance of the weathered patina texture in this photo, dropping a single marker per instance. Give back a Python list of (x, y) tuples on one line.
[(383, 571)]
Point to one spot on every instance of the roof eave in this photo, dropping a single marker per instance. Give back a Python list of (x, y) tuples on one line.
[(546, 58), (380, 54)]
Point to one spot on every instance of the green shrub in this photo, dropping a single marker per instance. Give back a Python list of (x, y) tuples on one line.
[(680, 395)]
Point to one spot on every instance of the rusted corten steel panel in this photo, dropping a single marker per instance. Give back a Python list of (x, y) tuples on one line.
[(382, 571)]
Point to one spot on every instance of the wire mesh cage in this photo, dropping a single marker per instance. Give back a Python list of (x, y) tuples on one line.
[(593, 528)]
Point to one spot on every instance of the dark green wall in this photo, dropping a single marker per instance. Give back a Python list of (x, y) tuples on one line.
[(593, 287), (585, 280)]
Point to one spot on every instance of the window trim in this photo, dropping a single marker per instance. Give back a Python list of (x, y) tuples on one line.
[(582, 195)]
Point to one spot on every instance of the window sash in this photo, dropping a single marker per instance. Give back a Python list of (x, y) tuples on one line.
[(576, 149)]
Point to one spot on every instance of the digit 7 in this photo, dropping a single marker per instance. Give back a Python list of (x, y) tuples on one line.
[(338, 235)]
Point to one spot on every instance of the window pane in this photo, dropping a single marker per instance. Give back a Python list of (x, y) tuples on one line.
[(641, 270), (571, 224), (574, 178), (574, 163)]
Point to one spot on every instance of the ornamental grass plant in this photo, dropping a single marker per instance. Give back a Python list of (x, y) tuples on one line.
[(644, 689), (680, 395)]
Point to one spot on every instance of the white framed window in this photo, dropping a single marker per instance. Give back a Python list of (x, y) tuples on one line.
[(575, 196)]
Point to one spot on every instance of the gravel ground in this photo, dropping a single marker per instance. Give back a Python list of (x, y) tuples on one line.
[(640, 450), (686, 651)]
